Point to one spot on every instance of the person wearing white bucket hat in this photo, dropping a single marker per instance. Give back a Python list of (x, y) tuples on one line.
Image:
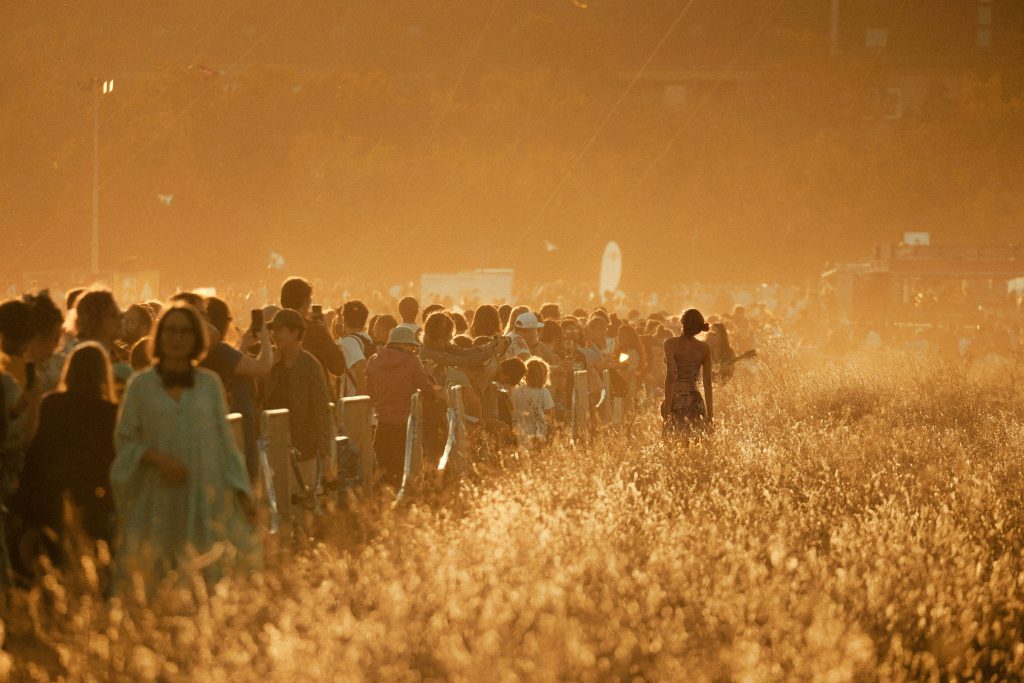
[(524, 336), (393, 375)]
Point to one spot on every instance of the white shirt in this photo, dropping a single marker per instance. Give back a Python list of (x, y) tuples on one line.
[(529, 408), (353, 350)]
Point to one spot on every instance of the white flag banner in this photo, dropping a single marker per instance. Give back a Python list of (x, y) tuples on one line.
[(611, 269)]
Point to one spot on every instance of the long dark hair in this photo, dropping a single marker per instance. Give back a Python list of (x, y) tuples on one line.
[(87, 372), (438, 330), (486, 322)]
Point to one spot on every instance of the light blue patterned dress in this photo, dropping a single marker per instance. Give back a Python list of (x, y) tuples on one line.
[(198, 526)]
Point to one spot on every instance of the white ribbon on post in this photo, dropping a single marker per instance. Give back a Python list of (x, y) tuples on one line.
[(268, 482)]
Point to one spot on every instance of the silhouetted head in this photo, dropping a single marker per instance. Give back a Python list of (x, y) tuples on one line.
[(438, 330), (693, 323), (537, 372), (218, 314), (97, 317), (486, 322), (192, 299), (408, 309), (87, 372), (427, 310), (15, 326), (296, 294), (550, 311), (354, 314)]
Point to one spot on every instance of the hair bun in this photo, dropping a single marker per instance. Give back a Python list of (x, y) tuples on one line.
[(707, 327)]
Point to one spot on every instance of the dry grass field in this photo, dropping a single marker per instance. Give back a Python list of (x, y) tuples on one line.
[(853, 521)]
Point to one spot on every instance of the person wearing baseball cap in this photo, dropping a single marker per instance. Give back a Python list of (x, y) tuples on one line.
[(298, 384), (525, 335), (393, 375)]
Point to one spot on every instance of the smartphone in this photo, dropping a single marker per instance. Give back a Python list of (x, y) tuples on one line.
[(257, 320), (318, 312)]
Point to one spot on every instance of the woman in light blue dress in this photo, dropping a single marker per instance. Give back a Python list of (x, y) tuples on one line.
[(183, 497)]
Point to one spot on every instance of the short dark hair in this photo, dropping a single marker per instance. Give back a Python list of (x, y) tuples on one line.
[(296, 293), (354, 314), (192, 299), (44, 316), (198, 350), (460, 322), (550, 311), (218, 313), (513, 369), (145, 311), (552, 332), (15, 326), (89, 311), (430, 309), (290, 318), (408, 308)]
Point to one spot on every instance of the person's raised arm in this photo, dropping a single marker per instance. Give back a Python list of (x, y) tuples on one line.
[(261, 365), (707, 381)]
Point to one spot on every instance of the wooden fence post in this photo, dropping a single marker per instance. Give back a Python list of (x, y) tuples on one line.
[(580, 405), (354, 419), (277, 432)]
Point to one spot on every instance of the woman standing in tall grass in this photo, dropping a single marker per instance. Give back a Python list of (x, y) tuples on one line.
[(183, 495), (687, 357)]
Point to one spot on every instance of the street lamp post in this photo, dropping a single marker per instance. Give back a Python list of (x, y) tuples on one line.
[(98, 88)]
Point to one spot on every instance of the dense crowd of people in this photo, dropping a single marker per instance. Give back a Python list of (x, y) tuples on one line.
[(114, 419)]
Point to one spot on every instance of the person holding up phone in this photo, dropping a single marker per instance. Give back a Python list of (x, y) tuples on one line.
[(297, 294), (237, 369)]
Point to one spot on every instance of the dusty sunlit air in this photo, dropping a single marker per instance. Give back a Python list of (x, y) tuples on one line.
[(507, 340)]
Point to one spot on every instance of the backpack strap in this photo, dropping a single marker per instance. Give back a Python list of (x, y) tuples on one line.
[(362, 347)]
